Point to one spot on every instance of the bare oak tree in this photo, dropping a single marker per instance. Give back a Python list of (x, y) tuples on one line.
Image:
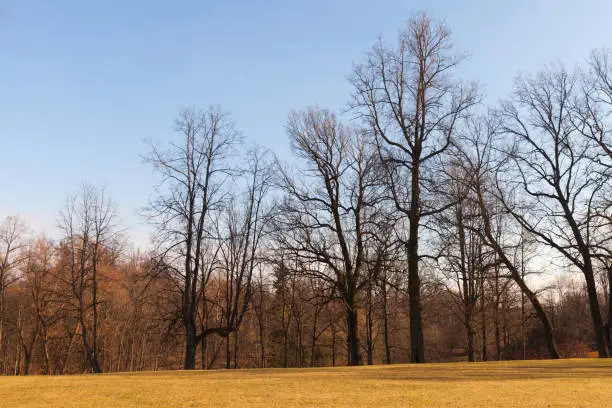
[(479, 155), (193, 169), (405, 94), (551, 179), (329, 208)]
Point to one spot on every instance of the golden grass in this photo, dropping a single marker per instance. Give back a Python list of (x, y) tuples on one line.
[(565, 383)]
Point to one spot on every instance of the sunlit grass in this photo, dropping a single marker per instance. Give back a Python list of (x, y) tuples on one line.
[(565, 383)]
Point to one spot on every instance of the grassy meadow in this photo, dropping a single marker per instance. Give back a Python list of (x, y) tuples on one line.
[(564, 383)]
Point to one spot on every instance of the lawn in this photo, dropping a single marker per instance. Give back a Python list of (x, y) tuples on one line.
[(565, 383)]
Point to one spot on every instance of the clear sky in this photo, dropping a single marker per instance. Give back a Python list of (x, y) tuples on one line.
[(83, 83)]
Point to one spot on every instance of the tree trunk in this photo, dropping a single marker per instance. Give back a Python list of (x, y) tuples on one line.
[(417, 346), (498, 346), (484, 320), (27, 357), (333, 345), (518, 278), (17, 369), (589, 275), (470, 336), (386, 326), (190, 345), (313, 338), (609, 325), (369, 327), (203, 351), (286, 347), (352, 337), (95, 365), (44, 350), (236, 349), (228, 353), (3, 355), (548, 330), (262, 346), (94, 300), (299, 349), (594, 308)]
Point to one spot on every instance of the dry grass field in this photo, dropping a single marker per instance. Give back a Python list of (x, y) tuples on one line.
[(565, 383)]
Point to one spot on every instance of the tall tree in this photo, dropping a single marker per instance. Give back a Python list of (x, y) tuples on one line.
[(463, 260), (479, 155), (551, 179), (406, 95), (329, 208), (194, 169), (243, 226)]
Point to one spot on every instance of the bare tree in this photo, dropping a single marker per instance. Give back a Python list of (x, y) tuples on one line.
[(593, 119), (88, 222), (406, 96), (260, 304), (479, 154), (594, 107), (12, 231), (193, 170), (329, 208), (463, 256), (551, 180), (243, 226), (41, 290)]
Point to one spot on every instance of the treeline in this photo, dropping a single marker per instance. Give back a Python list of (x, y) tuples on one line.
[(428, 228)]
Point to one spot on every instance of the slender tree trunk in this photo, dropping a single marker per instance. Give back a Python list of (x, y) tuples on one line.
[(217, 351), (369, 327), (236, 349), (3, 353), (498, 346), (260, 323), (132, 352), (68, 352), (95, 365), (204, 325), (609, 325), (285, 348), (386, 325), (203, 351), (484, 319), (143, 351), (523, 333), (299, 360), (94, 300), (313, 338), (333, 345), (44, 350), (467, 281), (262, 345), (228, 353), (17, 369)]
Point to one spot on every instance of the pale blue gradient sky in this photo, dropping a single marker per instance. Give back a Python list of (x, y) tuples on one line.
[(83, 83)]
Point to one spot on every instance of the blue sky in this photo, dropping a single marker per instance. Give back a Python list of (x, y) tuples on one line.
[(83, 83)]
